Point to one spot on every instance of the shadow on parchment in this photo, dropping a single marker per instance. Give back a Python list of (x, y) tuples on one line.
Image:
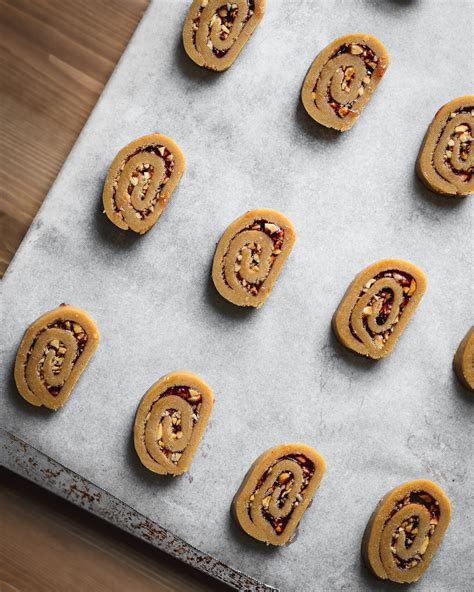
[(312, 129), (351, 358), (256, 548), (110, 234), (430, 197), (372, 582), (222, 306), (191, 70), (460, 390), (145, 475)]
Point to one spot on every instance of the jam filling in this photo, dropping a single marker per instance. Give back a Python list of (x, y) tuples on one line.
[(79, 334), (277, 234), (372, 66), (386, 296), (285, 481), (194, 398), (410, 526), (147, 171), (227, 13), (463, 134)]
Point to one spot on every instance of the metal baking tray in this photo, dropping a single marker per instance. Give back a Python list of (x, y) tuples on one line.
[(278, 373)]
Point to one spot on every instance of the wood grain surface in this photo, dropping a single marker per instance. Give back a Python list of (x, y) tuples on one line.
[(55, 57), (49, 545)]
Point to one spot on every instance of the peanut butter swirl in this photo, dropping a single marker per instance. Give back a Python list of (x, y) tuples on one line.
[(215, 31), (377, 306), (249, 256), (405, 531), (170, 421), (140, 182), (341, 79), (446, 160), (277, 490), (53, 352)]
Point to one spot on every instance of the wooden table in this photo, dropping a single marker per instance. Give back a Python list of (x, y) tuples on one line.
[(55, 57)]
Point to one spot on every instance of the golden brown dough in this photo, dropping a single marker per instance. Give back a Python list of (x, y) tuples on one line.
[(342, 78), (54, 351), (405, 530), (215, 31), (277, 490), (250, 255), (170, 421), (377, 306), (140, 182), (446, 159), (464, 360)]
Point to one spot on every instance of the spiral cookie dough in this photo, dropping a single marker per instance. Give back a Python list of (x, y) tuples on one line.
[(464, 360), (342, 78), (405, 530), (170, 421), (377, 306), (250, 255), (215, 31), (140, 182), (446, 160), (277, 490), (54, 351)]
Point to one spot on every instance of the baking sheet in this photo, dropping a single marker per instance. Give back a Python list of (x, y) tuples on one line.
[(278, 373)]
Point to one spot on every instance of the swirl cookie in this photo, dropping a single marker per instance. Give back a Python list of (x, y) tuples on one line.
[(215, 31), (170, 421), (377, 306), (463, 362), (250, 255), (446, 159), (405, 530), (140, 182), (54, 351), (341, 79), (277, 490)]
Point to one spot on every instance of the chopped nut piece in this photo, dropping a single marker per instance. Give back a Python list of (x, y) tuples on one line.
[(272, 228), (461, 128), (356, 49)]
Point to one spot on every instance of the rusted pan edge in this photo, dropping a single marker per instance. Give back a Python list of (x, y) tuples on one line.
[(24, 459)]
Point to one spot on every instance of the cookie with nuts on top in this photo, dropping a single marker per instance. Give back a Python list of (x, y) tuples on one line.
[(446, 159), (342, 78), (377, 306), (170, 421), (215, 32), (140, 182), (277, 490), (53, 353)]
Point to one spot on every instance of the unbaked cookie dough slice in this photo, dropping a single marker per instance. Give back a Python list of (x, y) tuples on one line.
[(405, 530), (250, 255), (54, 351), (215, 31), (140, 182), (446, 159), (377, 306), (463, 362), (342, 78), (170, 421), (277, 490)]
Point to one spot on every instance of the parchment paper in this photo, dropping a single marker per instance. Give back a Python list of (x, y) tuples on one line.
[(278, 373)]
